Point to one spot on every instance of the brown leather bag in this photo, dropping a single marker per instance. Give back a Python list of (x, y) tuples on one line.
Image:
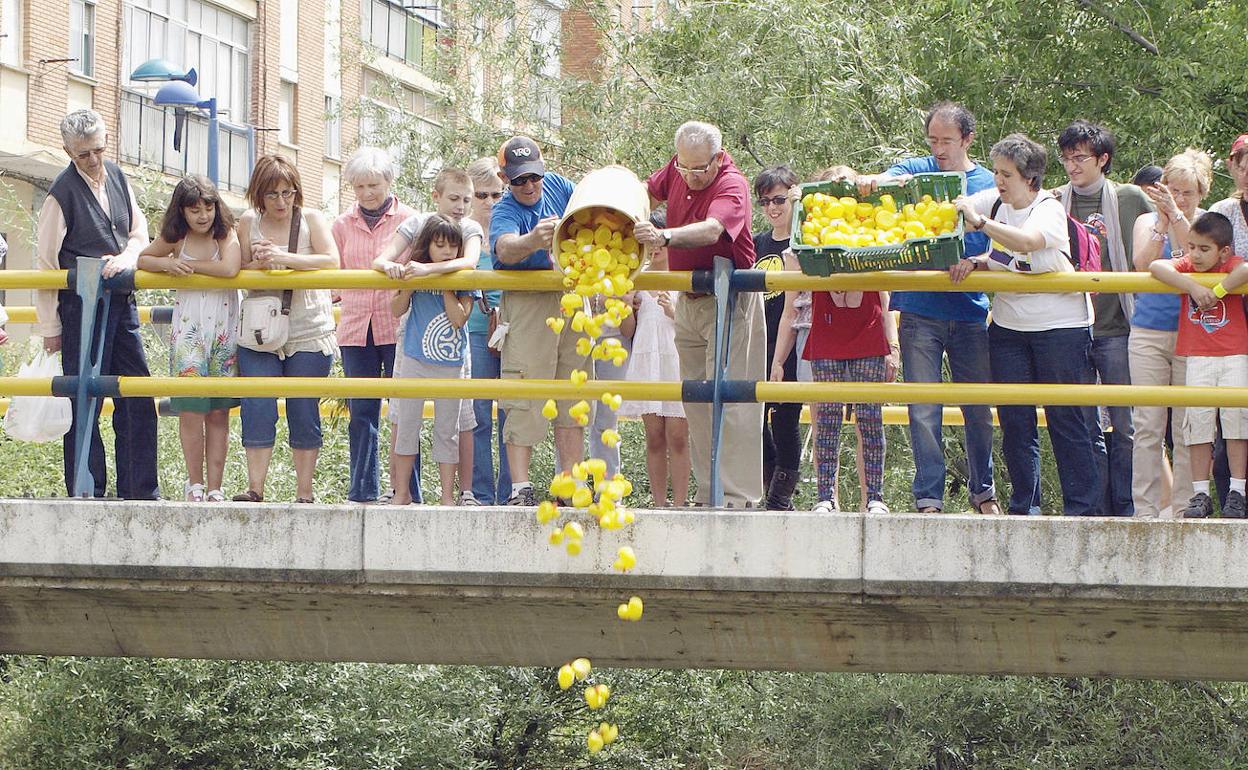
[(491, 313)]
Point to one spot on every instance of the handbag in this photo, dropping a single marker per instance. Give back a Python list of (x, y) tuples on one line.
[(491, 314), (264, 319)]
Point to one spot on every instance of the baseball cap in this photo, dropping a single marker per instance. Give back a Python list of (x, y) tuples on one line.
[(1239, 144), (519, 156)]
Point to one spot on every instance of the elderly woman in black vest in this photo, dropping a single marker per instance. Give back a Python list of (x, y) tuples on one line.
[(90, 211)]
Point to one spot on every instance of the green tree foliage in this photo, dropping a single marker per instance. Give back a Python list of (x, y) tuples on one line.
[(83, 714)]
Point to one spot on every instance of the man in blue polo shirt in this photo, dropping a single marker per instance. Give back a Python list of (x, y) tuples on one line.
[(521, 229), (953, 324)]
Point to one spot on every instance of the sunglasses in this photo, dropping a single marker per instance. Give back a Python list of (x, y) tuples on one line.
[(779, 200), (483, 195), (526, 180)]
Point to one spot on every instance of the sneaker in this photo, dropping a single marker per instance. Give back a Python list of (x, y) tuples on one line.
[(877, 506), (1234, 506), (825, 506), (524, 497), (468, 498), (1200, 507)]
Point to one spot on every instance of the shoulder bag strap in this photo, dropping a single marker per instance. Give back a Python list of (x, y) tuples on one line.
[(292, 245)]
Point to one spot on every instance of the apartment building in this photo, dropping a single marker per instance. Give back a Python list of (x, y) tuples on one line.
[(305, 78)]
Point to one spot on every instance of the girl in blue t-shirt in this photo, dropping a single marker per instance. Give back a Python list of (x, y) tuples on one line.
[(434, 344)]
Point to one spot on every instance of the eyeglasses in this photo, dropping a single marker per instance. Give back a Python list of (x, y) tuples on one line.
[(526, 180), (97, 152), (1077, 159), (696, 169), (779, 200), (483, 195), (285, 195)]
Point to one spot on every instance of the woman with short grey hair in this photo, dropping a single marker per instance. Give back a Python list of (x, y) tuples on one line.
[(1034, 337), (367, 330)]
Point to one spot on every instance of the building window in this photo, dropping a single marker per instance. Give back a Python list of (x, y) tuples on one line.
[(288, 114), (333, 127), (404, 31), (289, 34), (193, 33), (217, 43), (544, 31), (11, 29), (82, 37), (400, 119)]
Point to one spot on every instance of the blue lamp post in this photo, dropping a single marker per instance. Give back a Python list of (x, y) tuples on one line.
[(179, 91)]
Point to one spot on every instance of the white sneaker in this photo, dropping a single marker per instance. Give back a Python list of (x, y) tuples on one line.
[(468, 498), (877, 506), (825, 506)]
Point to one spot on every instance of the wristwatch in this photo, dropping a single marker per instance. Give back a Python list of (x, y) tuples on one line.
[(667, 237)]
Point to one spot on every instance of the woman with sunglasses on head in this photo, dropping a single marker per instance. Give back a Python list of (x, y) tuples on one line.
[(487, 489), (367, 330), (276, 233)]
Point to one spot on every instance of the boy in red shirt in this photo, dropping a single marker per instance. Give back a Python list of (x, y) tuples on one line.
[(1213, 335)]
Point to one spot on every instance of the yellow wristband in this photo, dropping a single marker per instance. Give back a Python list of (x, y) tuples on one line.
[(1219, 291)]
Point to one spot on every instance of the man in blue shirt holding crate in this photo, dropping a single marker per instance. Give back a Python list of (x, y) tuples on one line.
[(953, 324)]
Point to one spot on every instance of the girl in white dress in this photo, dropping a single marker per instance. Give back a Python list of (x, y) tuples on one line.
[(654, 359), (197, 236)]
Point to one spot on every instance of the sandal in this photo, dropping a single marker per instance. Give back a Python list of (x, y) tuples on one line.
[(215, 496), (193, 493), (250, 496), (993, 508), (303, 500)]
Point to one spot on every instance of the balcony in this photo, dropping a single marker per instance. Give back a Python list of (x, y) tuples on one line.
[(147, 140)]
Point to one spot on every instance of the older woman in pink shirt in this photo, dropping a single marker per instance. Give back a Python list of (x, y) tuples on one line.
[(367, 329)]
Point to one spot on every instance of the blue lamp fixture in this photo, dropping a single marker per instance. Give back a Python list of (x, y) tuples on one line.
[(179, 92), (160, 70)]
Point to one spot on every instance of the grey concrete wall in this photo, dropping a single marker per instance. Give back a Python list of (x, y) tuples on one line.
[(790, 591)]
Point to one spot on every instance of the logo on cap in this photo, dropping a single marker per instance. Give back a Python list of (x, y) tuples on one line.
[(522, 151)]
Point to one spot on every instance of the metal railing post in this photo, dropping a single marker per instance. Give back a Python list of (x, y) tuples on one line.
[(95, 301), (725, 297)]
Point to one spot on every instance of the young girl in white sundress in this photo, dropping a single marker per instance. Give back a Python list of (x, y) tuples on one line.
[(654, 359), (197, 237)]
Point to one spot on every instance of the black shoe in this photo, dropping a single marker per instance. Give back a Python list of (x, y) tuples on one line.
[(524, 497), (780, 491), (1234, 508), (1201, 507)]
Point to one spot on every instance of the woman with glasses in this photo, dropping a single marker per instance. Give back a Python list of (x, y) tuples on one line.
[(1183, 185), (1034, 337), (487, 190), (367, 329), (277, 234), (782, 439)]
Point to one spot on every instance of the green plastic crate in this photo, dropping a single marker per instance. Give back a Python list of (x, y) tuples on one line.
[(937, 253)]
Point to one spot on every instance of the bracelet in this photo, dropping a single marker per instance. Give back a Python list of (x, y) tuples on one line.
[(1157, 235), (1219, 291)]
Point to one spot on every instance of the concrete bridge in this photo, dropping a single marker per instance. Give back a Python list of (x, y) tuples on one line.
[(794, 591)]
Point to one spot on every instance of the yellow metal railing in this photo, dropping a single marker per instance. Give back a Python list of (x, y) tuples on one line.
[(540, 280)]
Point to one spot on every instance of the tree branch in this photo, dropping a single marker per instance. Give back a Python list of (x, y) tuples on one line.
[(1126, 29)]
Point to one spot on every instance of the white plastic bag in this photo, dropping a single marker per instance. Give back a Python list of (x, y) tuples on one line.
[(39, 418)]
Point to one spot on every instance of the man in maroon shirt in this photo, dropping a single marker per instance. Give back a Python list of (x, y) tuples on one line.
[(708, 214)]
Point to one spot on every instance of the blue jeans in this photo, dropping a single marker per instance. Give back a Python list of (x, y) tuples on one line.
[(485, 366), (1054, 356), (303, 415), (368, 360), (924, 344), (1114, 451)]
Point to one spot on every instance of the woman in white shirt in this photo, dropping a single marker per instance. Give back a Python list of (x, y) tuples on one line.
[(1035, 337)]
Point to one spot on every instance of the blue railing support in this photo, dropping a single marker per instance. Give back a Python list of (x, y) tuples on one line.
[(95, 300), (725, 297)]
